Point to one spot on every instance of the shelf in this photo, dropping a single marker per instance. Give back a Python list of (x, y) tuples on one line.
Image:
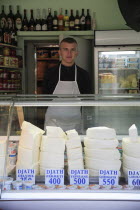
[(117, 69), (9, 67), (10, 91), (118, 88), (8, 45), (47, 59), (54, 33)]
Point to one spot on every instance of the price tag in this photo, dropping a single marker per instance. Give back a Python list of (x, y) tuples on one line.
[(134, 178), (54, 177), (25, 175), (108, 177), (79, 177)]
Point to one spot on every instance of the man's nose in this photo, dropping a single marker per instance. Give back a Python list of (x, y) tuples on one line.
[(69, 52)]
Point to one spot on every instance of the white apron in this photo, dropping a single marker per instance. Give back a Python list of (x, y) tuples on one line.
[(68, 117)]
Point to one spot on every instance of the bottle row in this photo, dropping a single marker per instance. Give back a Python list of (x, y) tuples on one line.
[(45, 22)]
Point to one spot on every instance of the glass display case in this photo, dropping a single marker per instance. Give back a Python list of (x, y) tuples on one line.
[(119, 112)]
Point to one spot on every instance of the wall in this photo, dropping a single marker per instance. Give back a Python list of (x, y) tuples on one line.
[(108, 15)]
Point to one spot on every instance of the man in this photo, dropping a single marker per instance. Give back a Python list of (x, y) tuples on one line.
[(66, 78)]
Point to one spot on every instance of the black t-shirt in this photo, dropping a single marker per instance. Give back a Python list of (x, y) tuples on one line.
[(67, 74)]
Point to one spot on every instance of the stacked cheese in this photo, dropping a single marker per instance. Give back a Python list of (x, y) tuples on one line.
[(52, 149), (131, 151), (100, 150), (28, 150), (74, 151), (2, 156)]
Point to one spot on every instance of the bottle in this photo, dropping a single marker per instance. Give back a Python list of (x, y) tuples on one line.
[(38, 21), (5, 34), (72, 21), (82, 21), (49, 20), (18, 20), (14, 36), (88, 21), (31, 22), (10, 17), (1, 35), (77, 21), (25, 22), (55, 22), (3, 18), (44, 21), (60, 21), (66, 21)]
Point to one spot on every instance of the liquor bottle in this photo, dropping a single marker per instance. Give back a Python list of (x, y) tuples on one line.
[(5, 34), (60, 21), (9, 34), (44, 21), (82, 21), (3, 18), (72, 21), (55, 21), (38, 21), (49, 20), (14, 36), (18, 20), (88, 21), (77, 21), (66, 21), (25, 22), (31, 22), (1, 35), (10, 17)]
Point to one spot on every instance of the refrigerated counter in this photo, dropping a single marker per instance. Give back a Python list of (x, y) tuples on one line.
[(114, 111)]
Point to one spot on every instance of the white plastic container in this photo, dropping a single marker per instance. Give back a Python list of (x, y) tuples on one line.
[(27, 185), (7, 183), (17, 185)]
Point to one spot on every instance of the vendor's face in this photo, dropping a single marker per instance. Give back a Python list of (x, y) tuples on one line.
[(68, 53)]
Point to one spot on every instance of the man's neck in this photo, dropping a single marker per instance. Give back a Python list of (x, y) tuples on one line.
[(67, 64)]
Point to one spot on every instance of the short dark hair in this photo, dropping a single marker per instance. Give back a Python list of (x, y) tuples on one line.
[(68, 40)]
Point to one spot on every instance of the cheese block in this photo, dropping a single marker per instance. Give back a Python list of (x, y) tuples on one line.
[(103, 154), (55, 145), (131, 162), (131, 148), (28, 126), (100, 144), (72, 134), (75, 164), (50, 160), (97, 164), (55, 132), (27, 156), (2, 165), (30, 139), (74, 154), (102, 133), (2, 147), (73, 143)]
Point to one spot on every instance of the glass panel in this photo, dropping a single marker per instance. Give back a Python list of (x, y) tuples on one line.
[(113, 111), (119, 72)]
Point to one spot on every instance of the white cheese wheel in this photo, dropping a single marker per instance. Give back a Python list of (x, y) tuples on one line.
[(55, 132), (28, 126), (131, 148), (72, 134), (102, 133), (74, 154), (30, 139), (131, 162), (27, 156), (51, 160), (73, 143), (75, 164), (97, 164), (103, 154), (100, 144), (56, 145)]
